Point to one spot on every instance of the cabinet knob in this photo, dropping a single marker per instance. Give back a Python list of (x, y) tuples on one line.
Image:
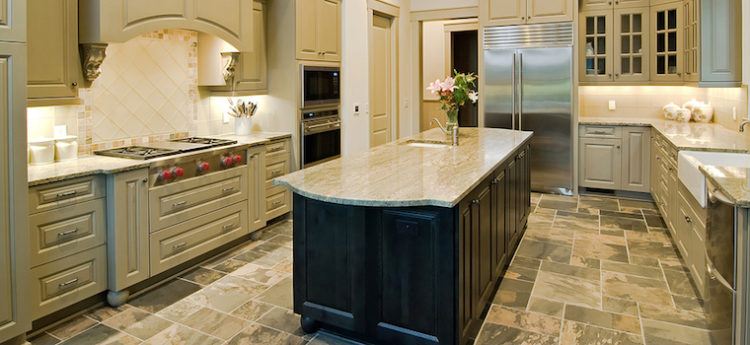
[(145, 180), (679, 74), (688, 220), (475, 202), (618, 147), (609, 3), (74, 84)]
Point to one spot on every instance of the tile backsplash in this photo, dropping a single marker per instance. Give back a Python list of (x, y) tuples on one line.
[(647, 101)]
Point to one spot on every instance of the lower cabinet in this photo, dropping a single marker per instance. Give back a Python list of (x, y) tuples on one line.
[(409, 275), (256, 181), (278, 162), (615, 158)]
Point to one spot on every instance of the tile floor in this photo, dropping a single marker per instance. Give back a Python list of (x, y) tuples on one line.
[(590, 270)]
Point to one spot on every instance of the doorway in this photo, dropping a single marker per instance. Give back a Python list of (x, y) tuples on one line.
[(463, 49), (381, 80)]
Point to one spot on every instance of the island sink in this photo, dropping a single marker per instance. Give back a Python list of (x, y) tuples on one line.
[(406, 244)]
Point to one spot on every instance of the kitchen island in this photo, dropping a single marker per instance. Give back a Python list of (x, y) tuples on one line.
[(407, 243)]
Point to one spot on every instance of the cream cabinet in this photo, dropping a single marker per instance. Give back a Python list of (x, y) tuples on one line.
[(614, 45), (108, 21), (256, 164), (127, 231), (278, 199), (15, 309), (54, 62), (691, 33), (720, 52), (514, 12), (318, 30), (13, 20), (667, 43), (251, 71), (594, 5), (615, 158)]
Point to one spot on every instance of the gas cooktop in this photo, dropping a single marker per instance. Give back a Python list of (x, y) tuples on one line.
[(167, 148)]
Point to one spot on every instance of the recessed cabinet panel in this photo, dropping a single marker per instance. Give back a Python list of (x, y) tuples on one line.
[(600, 163), (54, 63), (666, 43), (13, 20), (137, 11), (213, 13), (635, 159), (595, 46), (631, 48), (307, 36), (505, 12), (549, 11), (720, 42), (6, 246), (329, 29), (691, 33), (596, 5)]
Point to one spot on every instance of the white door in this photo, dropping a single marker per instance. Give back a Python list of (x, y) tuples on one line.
[(381, 81)]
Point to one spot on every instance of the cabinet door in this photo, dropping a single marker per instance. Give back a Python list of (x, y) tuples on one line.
[(13, 20), (257, 182), (252, 70), (720, 41), (504, 12), (631, 44), (53, 50), (482, 243), (600, 163), (666, 43), (329, 29), (654, 168), (307, 29), (595, 37), (596, 5), (691, 33), (500, 250), (549, 11), (632, 3), (14, 259), (127, 229), (635, 159)]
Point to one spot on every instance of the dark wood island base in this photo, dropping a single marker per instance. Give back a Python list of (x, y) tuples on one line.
[(409, 275)]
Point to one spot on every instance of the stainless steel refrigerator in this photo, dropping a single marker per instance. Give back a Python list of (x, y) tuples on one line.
[(528, 85)]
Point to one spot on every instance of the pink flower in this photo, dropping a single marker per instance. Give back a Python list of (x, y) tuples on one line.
[(434, 87), (448, 85)]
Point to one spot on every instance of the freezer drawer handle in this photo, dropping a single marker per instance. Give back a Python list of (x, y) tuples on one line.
[(68, 283), (67, 233), (712, 274)]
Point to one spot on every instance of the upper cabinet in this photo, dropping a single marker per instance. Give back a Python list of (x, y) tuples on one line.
[(53, 60), (106, 21), (13, 20), (514, 12), (661, 42), (318, 30)]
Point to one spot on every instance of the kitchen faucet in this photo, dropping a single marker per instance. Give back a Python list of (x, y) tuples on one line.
[(743, 124)]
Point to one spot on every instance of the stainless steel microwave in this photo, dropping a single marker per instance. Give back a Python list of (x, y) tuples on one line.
[(321, 86)]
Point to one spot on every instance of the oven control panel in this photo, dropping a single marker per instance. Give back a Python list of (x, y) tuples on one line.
[(192, 166)]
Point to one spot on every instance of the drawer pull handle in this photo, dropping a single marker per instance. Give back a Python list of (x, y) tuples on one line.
[(66, 194), (277, 203), (599, 133), (276, 149), (227, 190), (67, 233), (68, 283), (179, 204), (179, 246), (229, 227), (276, 173)]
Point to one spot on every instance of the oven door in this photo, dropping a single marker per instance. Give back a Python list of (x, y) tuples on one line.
[(321, 142), (320, 86)]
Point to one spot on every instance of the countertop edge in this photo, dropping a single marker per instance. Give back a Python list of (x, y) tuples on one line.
[(74, 175), (743, 203)]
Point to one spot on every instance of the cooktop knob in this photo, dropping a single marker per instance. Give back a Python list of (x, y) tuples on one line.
[(204, 167), (237, 159), (227, 161), (178, 172), (166, 175)]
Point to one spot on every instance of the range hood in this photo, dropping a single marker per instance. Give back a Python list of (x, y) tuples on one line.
[(114, 21)]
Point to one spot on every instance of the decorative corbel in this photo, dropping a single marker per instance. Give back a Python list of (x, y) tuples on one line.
[(230, 61), (92, 56)]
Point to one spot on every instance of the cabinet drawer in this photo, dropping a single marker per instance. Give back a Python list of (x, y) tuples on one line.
[(67, 281), (277, 151), (176, 203), (277, 204), (67, 230), (186, 241), (54, 195), (274, 170), (601, 132)]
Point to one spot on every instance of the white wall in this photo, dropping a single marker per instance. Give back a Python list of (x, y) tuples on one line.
[(429, 5)]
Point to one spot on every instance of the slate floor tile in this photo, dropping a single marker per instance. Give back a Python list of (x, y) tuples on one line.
[(575, 333), (179, 334), (138, 323), (101, 335), (569, 289), (165, 295), (528, 321), (492, 334)]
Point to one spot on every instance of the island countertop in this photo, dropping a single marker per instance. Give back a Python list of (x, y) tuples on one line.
[(402, 175)]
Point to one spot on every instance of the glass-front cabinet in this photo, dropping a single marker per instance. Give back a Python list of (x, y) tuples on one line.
[(595, 46), (667, 43), (631, 45), (691, 33)]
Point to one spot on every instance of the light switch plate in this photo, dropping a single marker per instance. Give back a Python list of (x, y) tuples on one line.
[(612, 105)]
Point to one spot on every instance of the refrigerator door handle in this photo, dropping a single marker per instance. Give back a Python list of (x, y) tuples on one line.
[(513, 96), (520, 91)]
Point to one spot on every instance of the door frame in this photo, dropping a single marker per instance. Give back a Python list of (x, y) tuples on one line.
[(458, 26), (382, 8)]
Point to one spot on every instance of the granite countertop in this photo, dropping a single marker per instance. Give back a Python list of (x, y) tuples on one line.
[(399, 175), (732, 181), (95, 165), (684, 136)]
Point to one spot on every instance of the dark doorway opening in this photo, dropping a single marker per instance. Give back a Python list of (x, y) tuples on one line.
[(465, 59)]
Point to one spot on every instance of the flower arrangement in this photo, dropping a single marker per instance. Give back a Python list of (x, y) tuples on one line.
[(454, 93)]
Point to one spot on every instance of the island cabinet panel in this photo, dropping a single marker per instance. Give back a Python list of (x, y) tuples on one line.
[(412, 274)]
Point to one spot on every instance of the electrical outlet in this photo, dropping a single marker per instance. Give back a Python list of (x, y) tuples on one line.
[(734, 113), (612, 105), (356, 108)]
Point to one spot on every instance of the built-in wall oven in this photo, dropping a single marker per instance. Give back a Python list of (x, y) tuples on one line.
[(321, 86), (321, 136)]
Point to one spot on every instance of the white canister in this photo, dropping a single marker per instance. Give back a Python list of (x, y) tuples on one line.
[(66, 148), (242, 125), (41, 151)]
